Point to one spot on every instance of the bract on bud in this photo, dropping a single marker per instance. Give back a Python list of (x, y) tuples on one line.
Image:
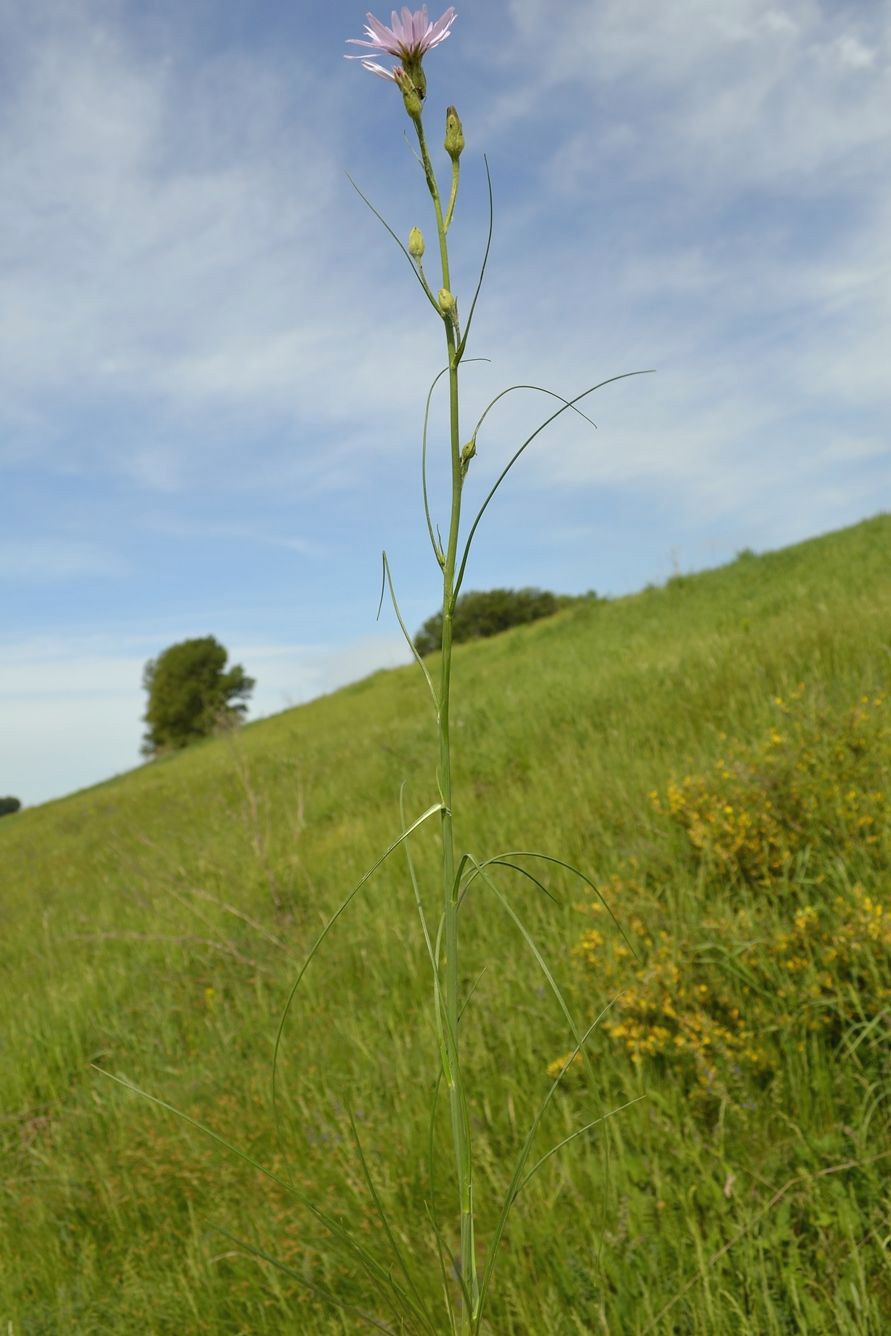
[(454, 135), (413, 85), (416, 243), (467, 453), (447, 303)]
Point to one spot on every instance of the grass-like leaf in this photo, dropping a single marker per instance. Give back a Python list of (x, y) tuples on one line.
[(540, 389), (536, 952), (568, 867), (569, 403), (459, 353), (381, 219), (435, 542), (386, 578), (435, 538), (412, 876)]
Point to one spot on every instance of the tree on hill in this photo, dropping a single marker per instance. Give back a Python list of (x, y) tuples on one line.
[(480, 614), (9, 805), (191, 693)]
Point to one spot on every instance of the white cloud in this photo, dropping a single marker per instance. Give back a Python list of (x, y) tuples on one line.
[(168, 253), (724, 95), (855, 54), (289, 674), (757, 279)]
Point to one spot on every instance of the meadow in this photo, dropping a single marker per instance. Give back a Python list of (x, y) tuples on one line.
[(715, 753)]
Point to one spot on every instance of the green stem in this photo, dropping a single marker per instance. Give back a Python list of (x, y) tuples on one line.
[(457, 1096), (453, 194)]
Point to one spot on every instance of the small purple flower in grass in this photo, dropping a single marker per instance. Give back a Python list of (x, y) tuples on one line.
[(409, 39)]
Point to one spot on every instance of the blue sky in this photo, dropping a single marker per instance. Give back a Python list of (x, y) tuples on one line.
[(213, 360)]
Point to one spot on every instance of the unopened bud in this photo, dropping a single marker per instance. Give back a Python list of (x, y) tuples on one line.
[(467, 453), (447, 303), (416, 243), (454, 135)]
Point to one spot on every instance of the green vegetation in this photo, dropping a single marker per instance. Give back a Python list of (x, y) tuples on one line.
[(479, 614), (152, 926), (191, 694), (9, 805)]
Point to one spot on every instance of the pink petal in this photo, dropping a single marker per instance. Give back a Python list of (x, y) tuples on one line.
[(411, 35), (440, 29), (387, 39)]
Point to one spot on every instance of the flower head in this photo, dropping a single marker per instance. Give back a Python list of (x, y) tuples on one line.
[(409, 38)]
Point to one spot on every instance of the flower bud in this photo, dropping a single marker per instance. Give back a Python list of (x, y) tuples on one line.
[(467, 453), (454, 135), (416, 243), (447, 304)]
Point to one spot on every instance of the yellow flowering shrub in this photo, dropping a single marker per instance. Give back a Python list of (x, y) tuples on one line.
[(817, 780), (720, 1001), (724, 1016)]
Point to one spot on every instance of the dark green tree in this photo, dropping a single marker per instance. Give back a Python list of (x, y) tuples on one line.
[(9, 805), (480, 614), (191, 693)]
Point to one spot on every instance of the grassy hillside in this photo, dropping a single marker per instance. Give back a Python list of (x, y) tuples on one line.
[(715, 754)]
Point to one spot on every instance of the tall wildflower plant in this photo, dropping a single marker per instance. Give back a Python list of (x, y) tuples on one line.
[(467, 1277), (407, 41)]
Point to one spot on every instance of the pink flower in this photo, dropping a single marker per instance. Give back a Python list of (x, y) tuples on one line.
[(409, 38)]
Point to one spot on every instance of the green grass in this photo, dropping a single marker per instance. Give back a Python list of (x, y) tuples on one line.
[(152, 926)]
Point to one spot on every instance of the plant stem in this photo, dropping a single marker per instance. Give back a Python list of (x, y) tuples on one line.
[(457, 1096)]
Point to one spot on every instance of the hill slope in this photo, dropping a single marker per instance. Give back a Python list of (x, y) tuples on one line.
[(153, 926)]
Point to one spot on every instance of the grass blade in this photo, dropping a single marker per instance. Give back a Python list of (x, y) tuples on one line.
[(385, 1222), (408, 830), (378, 1273), (580, 1040), (572, 1137), (318, 1290), (442, 1253)]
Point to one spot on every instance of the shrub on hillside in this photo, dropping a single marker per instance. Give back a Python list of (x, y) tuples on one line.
[(484, 613), (724, 1009), (9, 805), (817, 781), (802, 811), (191, 693)]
